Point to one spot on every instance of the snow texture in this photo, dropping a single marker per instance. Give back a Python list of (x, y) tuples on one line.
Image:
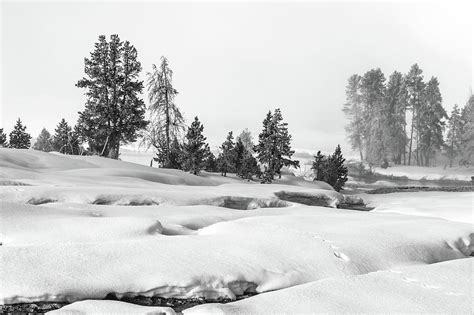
[(82, 227)]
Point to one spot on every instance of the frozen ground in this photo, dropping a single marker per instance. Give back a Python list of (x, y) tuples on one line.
[(78, 228)]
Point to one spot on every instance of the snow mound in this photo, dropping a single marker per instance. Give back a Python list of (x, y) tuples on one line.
[(441, 288), (447, 205), (87, 227), (110, 307)]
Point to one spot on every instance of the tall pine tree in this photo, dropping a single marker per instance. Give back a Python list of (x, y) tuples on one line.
[(430, 123), (374, 115), (396, 104), (114, 111), (354, 110), (415, 97)]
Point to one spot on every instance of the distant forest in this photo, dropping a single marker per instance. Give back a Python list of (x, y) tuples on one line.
[(403, 121)]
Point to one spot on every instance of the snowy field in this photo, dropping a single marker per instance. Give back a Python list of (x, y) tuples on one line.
[(78, 228)]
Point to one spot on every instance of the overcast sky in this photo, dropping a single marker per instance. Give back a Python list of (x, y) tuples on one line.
[(233, 62)]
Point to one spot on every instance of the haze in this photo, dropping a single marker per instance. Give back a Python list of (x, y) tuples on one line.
[(233, 62)]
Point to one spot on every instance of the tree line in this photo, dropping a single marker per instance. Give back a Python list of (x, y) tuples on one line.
[(114, 114), (403, 121)]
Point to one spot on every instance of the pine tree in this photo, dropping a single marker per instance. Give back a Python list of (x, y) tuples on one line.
[(453, 137), (396, 104), (430, 123), (226, 158), (249, 167), (114, 111), (239, 154), (264, 147), (167, 120), (3, 139), (319, 163), (337, 170), (467, 132), (354, 110), (283, 151), (76, 141), (331, 169), (195, 148), (44, 141), (61, 140), (19, 138), (211, 162), (374, 115), (274, 146), (415, 96)]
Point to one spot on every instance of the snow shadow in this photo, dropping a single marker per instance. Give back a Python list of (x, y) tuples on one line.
[(243, 203)]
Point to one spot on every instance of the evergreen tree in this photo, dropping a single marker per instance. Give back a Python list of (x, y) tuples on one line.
[(467, 132), (430, 123), (374, 115), (396, 104), (283, 151), (226, 159), (44, 141), (114, 111), (264, 148), (249, 167), (319, 164), (331, 169), (76, 141), (211, 162), (175, 158), (415, 96), (453, 137), (167, 120), (3, 139), (239, 154), (19, 138), (353, 109), (274, 146), (337, 172), (195, 148), (61, 140)]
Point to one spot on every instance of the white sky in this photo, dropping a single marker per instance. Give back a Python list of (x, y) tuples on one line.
[(233, 62)]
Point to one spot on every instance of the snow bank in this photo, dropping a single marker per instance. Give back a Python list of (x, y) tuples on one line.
[(455, 206), (89, 226), (110, 307), (439, 288), (428, 173), (226, 259)]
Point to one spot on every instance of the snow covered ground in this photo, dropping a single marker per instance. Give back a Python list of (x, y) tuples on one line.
[(428, 173), (76, 228)]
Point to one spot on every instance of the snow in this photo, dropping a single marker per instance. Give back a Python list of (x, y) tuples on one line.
[(89, 226), (110, 307), (438, 288), (428, 173), (455, 206)]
